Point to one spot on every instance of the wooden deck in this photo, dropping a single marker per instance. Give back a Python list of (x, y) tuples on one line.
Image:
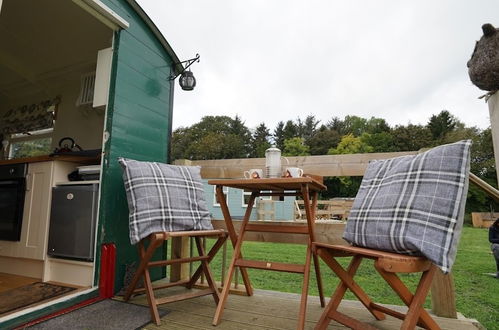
[(270, 310)]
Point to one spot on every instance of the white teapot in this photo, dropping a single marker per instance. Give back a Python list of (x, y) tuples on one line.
[(272, 163)]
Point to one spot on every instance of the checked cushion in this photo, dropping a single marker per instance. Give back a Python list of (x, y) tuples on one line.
[(163, 198), (413, 205)]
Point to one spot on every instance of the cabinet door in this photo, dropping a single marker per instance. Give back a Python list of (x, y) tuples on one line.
[(35, 225)]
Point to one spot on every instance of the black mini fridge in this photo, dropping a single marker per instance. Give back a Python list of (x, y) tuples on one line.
[(72, 221)]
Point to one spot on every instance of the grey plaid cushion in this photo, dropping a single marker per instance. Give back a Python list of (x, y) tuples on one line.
[(163, 198), (413, 204)]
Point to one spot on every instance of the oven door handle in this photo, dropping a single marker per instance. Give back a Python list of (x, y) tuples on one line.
[(8, 182)]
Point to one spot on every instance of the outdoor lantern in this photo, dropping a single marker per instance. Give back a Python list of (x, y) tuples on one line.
[(187, 81)]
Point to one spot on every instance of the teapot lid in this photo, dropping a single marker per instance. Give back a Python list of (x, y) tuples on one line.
[(272, 149)]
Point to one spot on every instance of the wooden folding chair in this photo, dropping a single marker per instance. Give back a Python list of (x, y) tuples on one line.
[(387, 264), (155, 241)]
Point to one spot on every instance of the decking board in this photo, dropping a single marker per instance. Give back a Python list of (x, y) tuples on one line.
[(270, 310)]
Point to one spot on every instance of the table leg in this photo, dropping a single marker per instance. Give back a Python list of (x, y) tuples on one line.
[(302, 315), (236, 255), (233, 235), (310, 207), (314, 255)]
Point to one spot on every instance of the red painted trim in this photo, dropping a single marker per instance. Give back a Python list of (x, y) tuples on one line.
[(107, 270), (60, 312)]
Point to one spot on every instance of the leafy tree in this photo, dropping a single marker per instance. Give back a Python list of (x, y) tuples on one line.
[(354, 125), (482, 164), (181, 138), (341, 186), (411, 137), (379, 142), (323, 140), (377, 125), (216, 124), (290, 130), (279, 135), (217, 146), (220, 137), (345, 186), (239, 129), (260, 141), (350, 144), (308, 128), (441, 124), (336, 124), (482, 157), (295, 147), (214, 137)]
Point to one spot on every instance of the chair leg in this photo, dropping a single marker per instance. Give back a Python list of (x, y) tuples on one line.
[(213, 251), (348, 281), (416, 313), (145, 256), (319, 279), (416, 306), (150, 297), (206, 270), (337, 296)]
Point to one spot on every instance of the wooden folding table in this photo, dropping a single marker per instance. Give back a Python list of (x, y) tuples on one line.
[(305, 187)]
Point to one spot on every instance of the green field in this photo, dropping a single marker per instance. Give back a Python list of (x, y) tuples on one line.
[(477, 294)]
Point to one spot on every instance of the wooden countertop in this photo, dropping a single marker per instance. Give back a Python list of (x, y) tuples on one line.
[(47, 158)]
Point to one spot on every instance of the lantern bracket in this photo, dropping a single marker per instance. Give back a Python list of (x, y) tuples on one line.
[(189, 63)]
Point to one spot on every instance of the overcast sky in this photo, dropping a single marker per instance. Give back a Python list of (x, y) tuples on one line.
[(268, 61)]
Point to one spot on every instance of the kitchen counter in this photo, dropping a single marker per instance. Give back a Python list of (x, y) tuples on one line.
[(47, 158)]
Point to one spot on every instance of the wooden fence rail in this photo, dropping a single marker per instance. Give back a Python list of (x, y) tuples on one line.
[(336, 208), (328, 165)]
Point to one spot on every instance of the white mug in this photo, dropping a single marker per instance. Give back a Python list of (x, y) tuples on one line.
[(293, 172), (254, 173)]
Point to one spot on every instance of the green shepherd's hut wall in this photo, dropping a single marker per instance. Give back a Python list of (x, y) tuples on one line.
[(138, 125)]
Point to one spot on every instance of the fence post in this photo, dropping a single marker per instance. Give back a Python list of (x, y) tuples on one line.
[(443, 298), (493, 103), (180, 247)]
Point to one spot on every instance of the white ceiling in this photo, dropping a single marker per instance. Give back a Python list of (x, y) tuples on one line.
[(42, 41)]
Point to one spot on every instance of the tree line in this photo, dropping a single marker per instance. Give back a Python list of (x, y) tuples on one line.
[(222, 137)]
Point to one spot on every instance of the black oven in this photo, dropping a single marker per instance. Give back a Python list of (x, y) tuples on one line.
[(12, 191)]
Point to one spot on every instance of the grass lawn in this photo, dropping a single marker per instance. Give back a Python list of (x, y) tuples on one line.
[(477, 294)]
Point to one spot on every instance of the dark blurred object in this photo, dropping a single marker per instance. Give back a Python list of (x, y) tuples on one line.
[(77, 176), (74, 176), (483, 67), (67, 144), (82, 153), (90, 177)]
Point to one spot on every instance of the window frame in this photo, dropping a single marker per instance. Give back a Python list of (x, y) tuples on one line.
[(29, 136), (248, 193), (225, 191)]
